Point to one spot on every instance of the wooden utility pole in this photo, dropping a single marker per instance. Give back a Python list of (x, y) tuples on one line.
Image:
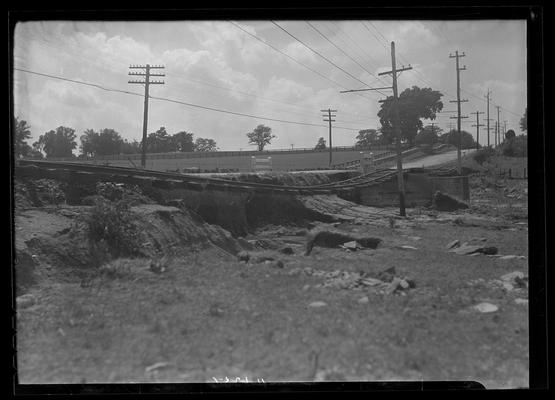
[(498, 128), (147, 74), (478, 125), (488, 119), (329, 120), (397, 125), (458, 101)]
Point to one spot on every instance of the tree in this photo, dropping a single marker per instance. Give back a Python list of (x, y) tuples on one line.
[(367, 138), (202, 144), (58, 143), (428, 135), (133, 147), (415, 104), (160, 142), (510, 134), (183, 141), (524, 121), (261, 136), (22, 132), (105, 142), (452, 138), (321, 144)]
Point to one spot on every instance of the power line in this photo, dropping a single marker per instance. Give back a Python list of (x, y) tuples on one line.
[(294, 60), (181, 102), (341, 50), (317, 53)]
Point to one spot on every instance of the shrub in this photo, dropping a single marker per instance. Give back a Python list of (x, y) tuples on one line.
[(110, 225), (515, 147), (484, 154)]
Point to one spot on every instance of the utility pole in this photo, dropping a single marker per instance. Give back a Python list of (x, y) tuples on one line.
[(504, 129), (488, 119), (147, 74), (329, 120), (478, 125), (397, 125), (458, 101), (498, 127)]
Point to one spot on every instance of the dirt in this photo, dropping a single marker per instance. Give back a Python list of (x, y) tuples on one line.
[(209, 316)]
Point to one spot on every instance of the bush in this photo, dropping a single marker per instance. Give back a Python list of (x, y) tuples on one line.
[(483, 155), (110, 225), (515, 147)]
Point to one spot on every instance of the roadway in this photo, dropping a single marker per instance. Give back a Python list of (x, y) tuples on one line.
[(434, 159)]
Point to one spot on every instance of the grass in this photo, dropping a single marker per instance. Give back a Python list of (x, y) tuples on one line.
[(113, 330)]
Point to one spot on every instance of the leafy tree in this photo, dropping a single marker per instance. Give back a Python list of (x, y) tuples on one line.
[(515, 147), (261, 136), (524, 121), (510, 134), (428, 135), (160, 142), (58, 143), (452, 138), (105, 142), (202, 144), (22, 132), (321, 144), (415, 104), (133, 147), (367, 138), (183, 141)]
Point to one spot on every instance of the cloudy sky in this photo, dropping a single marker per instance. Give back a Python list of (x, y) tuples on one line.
[(218, 65)]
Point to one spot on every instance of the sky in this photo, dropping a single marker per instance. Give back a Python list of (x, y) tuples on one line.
[(216, 64)]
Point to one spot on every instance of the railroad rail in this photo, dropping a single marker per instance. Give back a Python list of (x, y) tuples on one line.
[(87, 170)]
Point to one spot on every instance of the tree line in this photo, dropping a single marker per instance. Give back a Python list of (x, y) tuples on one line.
[(62, 141)]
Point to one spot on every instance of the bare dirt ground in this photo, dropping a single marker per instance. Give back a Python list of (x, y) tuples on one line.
[(333, 315)]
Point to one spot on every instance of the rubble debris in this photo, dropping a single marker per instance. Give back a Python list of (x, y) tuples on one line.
[(243, 256), (468, 249), (286, 250), (444, 202), (511, 257), (262, 259), (393, 286), (306, 287), (316, 304), (485, 307), (452, 244), (523, 302), (387, 275), (405, 247), (294, 272), (157, 366), (275, 264), (364, 300), (352, 245), (325, 238), (512, 276), (216, 310), (25, 301)]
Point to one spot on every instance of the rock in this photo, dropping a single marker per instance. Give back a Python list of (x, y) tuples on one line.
[(485, 307), (387, 275), (243, 256), (521, 282), (393, 286), (286, 250), (216, 310), (511, 276), (370, 282), (364, 300), (306, 287), (511, 257), (490, 250), (352, 245), (404, 284), (454, 243), (276, 264), (316, 304), (523, 302), (308, 271), (294, 272), (444, 202), (405, 247), (262, 259), (25, 301), (508, 286)]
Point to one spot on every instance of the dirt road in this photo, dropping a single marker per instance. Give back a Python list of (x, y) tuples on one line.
[(435, 159)]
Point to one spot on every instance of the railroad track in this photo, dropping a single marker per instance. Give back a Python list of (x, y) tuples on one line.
[(28, 166)]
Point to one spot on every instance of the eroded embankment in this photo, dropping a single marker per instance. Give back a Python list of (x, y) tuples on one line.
[(78, 225)]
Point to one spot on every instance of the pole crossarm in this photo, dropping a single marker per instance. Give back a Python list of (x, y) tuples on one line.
[(458, 101), (364, 90), (397, 71)]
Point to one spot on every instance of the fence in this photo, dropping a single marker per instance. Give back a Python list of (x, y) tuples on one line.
[(513, 173)]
